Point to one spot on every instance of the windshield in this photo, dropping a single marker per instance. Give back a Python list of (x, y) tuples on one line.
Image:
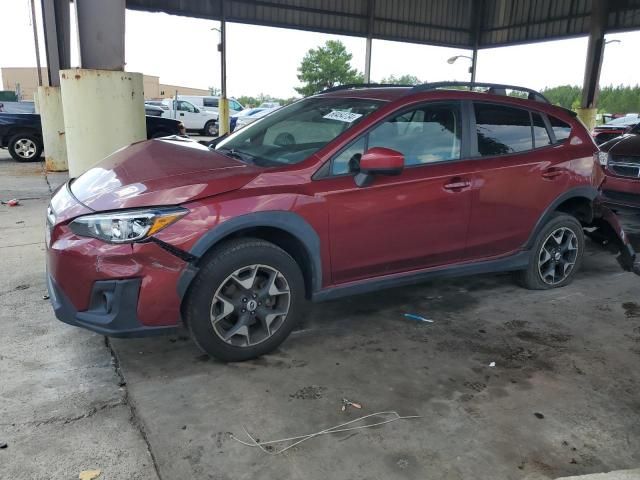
[(291, 134), (629, 120), (247, 112)]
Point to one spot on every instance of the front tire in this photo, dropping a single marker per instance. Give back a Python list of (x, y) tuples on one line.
[(245, 300), (556, 255), (25, 147), (211, 129)]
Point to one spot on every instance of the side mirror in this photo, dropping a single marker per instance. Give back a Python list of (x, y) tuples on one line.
[(378, 161)]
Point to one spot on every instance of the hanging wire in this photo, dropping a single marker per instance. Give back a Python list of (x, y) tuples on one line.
[(335, 429)]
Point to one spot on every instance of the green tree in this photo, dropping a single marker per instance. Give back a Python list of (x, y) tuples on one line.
[(563, 95), (326, 67), (402, 80), (618, 99)]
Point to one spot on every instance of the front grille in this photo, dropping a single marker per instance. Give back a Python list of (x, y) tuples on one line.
[(602, 137), (625, 166)]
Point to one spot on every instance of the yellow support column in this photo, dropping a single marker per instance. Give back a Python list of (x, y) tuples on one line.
[(49, 100), (103, 111), (588, 117), (223, 116)]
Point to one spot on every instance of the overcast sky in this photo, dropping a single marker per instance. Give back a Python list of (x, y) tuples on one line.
[(183, 51)]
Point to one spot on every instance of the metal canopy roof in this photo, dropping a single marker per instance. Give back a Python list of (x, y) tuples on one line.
[(452, 23)]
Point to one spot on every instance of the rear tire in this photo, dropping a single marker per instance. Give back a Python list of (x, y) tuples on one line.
[(556, 255), (245, 300), (25, 147)]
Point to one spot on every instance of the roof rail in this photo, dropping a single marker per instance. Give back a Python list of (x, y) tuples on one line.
[(349, 86), (493, 88)]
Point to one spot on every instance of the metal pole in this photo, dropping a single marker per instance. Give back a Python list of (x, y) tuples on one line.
[(35, 39), (477, 11), (367, 62), (223, 104), (474, 62), (367, 57)]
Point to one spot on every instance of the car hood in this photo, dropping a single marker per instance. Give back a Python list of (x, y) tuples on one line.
[(625, 145), (160, 172)]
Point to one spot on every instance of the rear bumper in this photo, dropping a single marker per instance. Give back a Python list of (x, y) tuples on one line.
[(610, 232), (621, 201), (112, 310)]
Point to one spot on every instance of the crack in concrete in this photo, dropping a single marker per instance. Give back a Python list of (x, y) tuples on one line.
[(135, 420), (46, 177), (23, 244), (65, 420)]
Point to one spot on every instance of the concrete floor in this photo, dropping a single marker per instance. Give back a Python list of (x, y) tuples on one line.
[(561, 400)]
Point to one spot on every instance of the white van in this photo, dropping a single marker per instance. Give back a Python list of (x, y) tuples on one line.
[(210, 104)]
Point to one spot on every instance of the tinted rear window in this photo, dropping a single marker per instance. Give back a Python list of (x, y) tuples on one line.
[(561, 129), (502, 130), (210, 102)]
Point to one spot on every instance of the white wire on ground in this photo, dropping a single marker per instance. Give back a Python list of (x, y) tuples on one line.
[(334, 429)]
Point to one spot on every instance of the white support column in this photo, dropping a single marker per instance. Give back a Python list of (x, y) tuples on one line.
[(367, 58), (367, 62), (103, 111), (49, 101)]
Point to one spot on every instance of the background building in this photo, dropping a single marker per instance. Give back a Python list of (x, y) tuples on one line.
[(24, 81)]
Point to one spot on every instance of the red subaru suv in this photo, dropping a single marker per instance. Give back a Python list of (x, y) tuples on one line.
[(348, 191)]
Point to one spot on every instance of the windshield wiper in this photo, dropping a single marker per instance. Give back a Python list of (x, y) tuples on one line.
[(233, 153)]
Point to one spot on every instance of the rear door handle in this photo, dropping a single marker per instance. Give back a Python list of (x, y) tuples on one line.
[(552, 173), (457, 184)]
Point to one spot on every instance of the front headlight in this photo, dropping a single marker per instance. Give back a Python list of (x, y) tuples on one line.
[(126, 226)]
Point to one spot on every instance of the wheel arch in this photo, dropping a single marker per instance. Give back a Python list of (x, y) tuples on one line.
[(287, 230), (22, 130), (577, 201)]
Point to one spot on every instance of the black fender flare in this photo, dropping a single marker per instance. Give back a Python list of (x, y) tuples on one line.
[(588, 192), (289, 222)]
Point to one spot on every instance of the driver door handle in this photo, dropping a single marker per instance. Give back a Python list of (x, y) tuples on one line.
[(457, 184), (552, 173)]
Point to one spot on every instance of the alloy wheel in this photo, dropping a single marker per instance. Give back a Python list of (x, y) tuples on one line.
[(558, 256), (250, 305), (212, 130), (25, 148)]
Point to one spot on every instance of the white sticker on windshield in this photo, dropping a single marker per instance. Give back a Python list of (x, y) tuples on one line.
[(347, 117)]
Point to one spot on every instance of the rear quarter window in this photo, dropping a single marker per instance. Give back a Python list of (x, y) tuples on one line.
[(561, 129)]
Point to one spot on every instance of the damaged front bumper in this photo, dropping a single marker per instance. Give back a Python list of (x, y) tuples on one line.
[(607, 231)]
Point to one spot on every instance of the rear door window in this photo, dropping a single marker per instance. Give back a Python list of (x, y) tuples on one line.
[(561, 129), (502, 130), (541, 136), (210, 102)]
